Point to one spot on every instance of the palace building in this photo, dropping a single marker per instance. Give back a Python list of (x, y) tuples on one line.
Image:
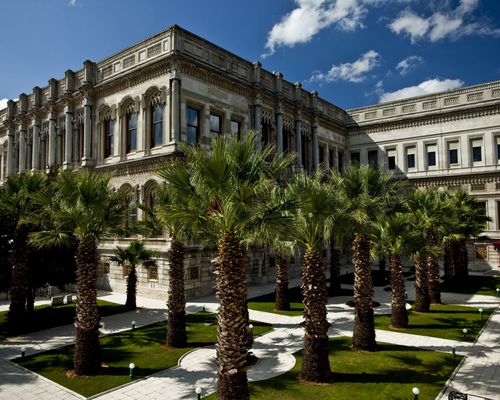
[(128, 113)]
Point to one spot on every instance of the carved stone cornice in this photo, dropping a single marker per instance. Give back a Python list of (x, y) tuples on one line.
[(456, 180), (429, 119)]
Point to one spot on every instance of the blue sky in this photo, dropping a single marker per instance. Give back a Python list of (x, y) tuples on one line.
[(353, 52)]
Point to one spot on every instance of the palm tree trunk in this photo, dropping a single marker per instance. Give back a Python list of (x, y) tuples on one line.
[(176, 331), (334, 289), (399, 315), (461, 260), (282, 300), (19, 281), (433, 272), (422, 301), (363, 337), (131, 302), (315, 363), (231, 292), (449, 271), (87, 358), (30, 301)]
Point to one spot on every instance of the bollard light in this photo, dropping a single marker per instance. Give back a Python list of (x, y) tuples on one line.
[(23, 351), (498, 292), (131, 367), (464, 331), (133, 325), (481, 313), (198, 392), (415, 392), (101, 325), (453, 351), (204, 308)]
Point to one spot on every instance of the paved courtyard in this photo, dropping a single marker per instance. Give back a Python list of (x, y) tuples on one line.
[(479, 374)]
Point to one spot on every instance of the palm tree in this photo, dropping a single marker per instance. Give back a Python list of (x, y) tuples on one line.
[(230, 186), (469, 221), (132, 256), (368, 192), (82, 207), (317, 206), (389, 239), (17, 204), (425, 211)]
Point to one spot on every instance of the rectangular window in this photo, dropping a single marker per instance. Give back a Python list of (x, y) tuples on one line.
[(341, 161), (372, 158), (453, 153), (410, 157), (157, 125), (330, 158), (152, 273), (355, 157), (431, 150), (391, 159), (321, 154), (215, 125), (108, 138), (498, 148), (235, 128), (477, 150), (193, 126), (131, 132)]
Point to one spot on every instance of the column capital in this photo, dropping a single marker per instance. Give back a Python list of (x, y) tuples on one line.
[(279, 108), (298, 116)]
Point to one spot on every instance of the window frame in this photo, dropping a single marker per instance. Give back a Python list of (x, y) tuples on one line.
[(129, 132), (108, 133), (196, 127), (154, 123)]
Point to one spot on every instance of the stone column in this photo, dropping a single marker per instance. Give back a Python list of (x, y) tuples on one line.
[(87, 131), (10, 150), (279, 129), (22, 147), (43, 150), (315, 144), (68, 145), (327, 156), (29, 149), (298, 137), (35, 161), (175, 101), (257, 115), (52, 139)]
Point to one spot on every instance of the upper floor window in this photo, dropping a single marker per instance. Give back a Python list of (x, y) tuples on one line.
[(235, 128), (498, 147), (156, 125), (391, 159), (108, 138), (453, 153), (410, 158), (431, 155), (372, 158), (477, 150), (215, 125), (355, 157), (193, 125), (131, 141)]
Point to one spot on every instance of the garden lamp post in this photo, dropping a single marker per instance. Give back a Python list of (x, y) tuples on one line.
[(498, 292), (131, 367), (464, 331), (481, 313), (198, 392), (23, 351), (133, 325), (453, 351), (415, 392)]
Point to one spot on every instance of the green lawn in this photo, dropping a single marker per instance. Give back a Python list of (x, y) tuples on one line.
[(387, 374), (485, 285), (266, 302), (45, 316), (444, 321), (144, 347)]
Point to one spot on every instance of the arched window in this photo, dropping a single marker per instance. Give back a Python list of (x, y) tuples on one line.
[(131, 131), (108, 137), (156, 124)]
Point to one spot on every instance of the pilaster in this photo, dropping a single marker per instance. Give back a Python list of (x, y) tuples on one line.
[(68, 131), (52, 138), (35, 161), (279, 128), (315, 144), (175, 103), (87, 159), (298, 137)]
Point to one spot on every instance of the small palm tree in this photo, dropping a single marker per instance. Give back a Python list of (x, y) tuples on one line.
[(16, 203), (389, 238), (81, 207), (230, 186), (368, 192), (130, 257)]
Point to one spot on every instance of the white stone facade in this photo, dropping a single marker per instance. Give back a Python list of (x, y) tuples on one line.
[(128, 113)]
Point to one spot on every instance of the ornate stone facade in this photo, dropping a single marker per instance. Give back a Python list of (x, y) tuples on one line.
[(129, 112)]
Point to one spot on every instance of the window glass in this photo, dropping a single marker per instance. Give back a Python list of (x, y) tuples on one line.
[(373, 158), (193, 117), (131, 132), (355, 157), (157, 125), (391, 162), (431, 158), (108, 138), (215, 128), (321, 154), (235, 128), (476, 154), (410, 160), (453, 156)]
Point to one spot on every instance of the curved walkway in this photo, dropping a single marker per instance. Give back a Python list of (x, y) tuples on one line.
[(479, 374)]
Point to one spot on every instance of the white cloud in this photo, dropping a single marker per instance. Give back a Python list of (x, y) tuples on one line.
[(3, 103), (442, 24), (352, 72), (426, 87), (310, 17), (72, 3), (404, 66)]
